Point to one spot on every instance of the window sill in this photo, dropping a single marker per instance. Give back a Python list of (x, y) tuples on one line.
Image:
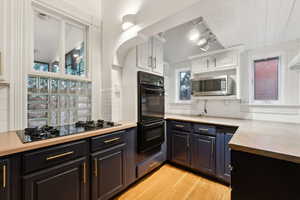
[(274, 105)]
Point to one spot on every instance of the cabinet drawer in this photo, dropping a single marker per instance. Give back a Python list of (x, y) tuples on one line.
[(150, 164), (105, 141), (182, 126), (204, 129), (53, 155)]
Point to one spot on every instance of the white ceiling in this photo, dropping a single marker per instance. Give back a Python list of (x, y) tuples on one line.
[(178, 47), (253, 23)]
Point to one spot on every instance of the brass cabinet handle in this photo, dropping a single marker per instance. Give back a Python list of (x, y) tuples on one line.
[(60, 155), (111, 140), (84, 173), (96, 167), (4, 176), (179, 126), (203, 129)]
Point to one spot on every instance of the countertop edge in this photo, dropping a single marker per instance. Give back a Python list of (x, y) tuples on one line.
[(60, 140)]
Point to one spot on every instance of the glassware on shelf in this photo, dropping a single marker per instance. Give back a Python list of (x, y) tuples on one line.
[(84, 99), (82, 105), (63, 86), (53, 103), (32, 84), (54, 85), (85, 112), (37, 114), (83, 88), (37, 123), (34, 97), (44, 85), (89, 89)]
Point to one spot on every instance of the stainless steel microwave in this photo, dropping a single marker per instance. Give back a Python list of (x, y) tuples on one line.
[(212, 86)]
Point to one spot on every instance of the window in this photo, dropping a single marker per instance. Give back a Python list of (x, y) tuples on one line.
[(266, 79), (56, 37), (59, 91), (184, 91)]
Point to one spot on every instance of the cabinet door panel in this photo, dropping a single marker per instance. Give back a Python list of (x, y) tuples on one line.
[(204, 153), (109, 172), (226, 59), (158, 56), (144, 56), (227, 157), (66, 181), (180, 148), (4, 180)]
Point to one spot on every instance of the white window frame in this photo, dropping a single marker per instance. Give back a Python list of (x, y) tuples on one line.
[(61, 74), (281, 66), (177, 85)]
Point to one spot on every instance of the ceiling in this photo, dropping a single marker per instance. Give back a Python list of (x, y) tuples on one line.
[(178, 47), (253, 23)]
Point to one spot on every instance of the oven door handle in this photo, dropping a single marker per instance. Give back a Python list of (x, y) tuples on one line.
[(155, 124), (156, 90)]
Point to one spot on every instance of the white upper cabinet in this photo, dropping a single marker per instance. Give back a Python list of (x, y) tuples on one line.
[(150, 56), (158, 56), (226, 59), (143, 56)]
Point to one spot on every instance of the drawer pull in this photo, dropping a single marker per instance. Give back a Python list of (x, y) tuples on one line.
[(179, 126), (60, 155), (84, 173), (203, 129), (96, 167), (4, 176), (111, 140)]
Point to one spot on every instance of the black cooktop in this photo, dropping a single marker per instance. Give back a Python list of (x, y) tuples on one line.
[(48, 132)]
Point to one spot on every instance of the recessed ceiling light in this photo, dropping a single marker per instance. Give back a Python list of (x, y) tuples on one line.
[(202, 42), (194, 35)]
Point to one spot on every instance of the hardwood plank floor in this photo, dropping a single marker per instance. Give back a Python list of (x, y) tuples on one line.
[(171, 183)]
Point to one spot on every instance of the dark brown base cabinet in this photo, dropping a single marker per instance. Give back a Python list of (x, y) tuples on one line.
[(180, 148), (108, 172), (261, 178), (66, 181), (201, 147), (4, 179)]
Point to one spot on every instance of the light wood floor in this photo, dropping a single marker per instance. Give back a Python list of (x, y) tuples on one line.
[(171, 183)]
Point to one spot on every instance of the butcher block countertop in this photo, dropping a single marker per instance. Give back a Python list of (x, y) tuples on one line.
[(10, 143), (271, 139)]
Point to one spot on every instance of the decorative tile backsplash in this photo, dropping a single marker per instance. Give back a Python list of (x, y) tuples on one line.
[(57, 102)]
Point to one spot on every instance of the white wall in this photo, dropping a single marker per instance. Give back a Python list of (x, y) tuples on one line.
[(148, 12), (288, 111)]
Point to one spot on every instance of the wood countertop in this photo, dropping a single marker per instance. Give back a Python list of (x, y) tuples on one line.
[(10, 143), (271, 139)]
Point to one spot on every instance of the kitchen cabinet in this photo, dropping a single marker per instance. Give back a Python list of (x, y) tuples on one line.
[(201, 147), (204, 153), (4, 179), (180, 147), (150, 56), (226, 59), (65, 181), (224, 153), (108, 172)]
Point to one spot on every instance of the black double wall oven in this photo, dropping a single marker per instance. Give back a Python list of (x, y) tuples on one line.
[(151, 110)]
